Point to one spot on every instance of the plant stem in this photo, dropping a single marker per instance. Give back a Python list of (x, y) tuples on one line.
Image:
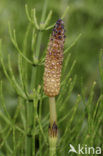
[(53, 127), (39, 39), (52, 148), (41, 33), (40, 141), (35, 102), (52, 110), (29, 126)]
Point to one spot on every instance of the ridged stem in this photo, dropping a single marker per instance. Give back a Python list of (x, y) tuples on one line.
[(29, 125), (52, 146), (53, 117), (53, 127), (39, 39)]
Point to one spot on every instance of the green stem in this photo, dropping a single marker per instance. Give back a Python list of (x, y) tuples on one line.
[(40, 143), (40, 35), (35, 102), (53, 129), (52, 110), (52, 148), (14, 142), (29, 127)]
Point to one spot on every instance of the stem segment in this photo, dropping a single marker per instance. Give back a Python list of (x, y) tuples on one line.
[(52, 149), (53, 127), (29, 127), (53, 117)]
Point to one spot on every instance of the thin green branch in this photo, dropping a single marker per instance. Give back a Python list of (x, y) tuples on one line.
[(14, 41), (34, 35), (40, 139), (5, 137), (17, 111), (44, 10), (5, 118), (65, 12), (25, 41), (33, 12), (71, 86), (20, 130), (27, 13), (73, 43), (20, 71), (69, 73), (97, 105), (8, 147), (14, 141), (12, 81), (48, 19), (67, 59), (50, 27), (17, 87), (22, 76), (3, 103), (67, 130), (41, 129)]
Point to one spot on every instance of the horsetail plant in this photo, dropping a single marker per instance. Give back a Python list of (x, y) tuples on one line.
[(52, 75), (25, 132), (28, 102)]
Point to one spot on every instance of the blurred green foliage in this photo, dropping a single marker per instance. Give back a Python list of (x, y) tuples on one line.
[(85, 17)]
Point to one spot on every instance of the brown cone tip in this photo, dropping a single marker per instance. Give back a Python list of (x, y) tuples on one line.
[(54, 59)]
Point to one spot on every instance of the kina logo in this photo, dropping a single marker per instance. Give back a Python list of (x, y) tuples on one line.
[(85, 149)]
